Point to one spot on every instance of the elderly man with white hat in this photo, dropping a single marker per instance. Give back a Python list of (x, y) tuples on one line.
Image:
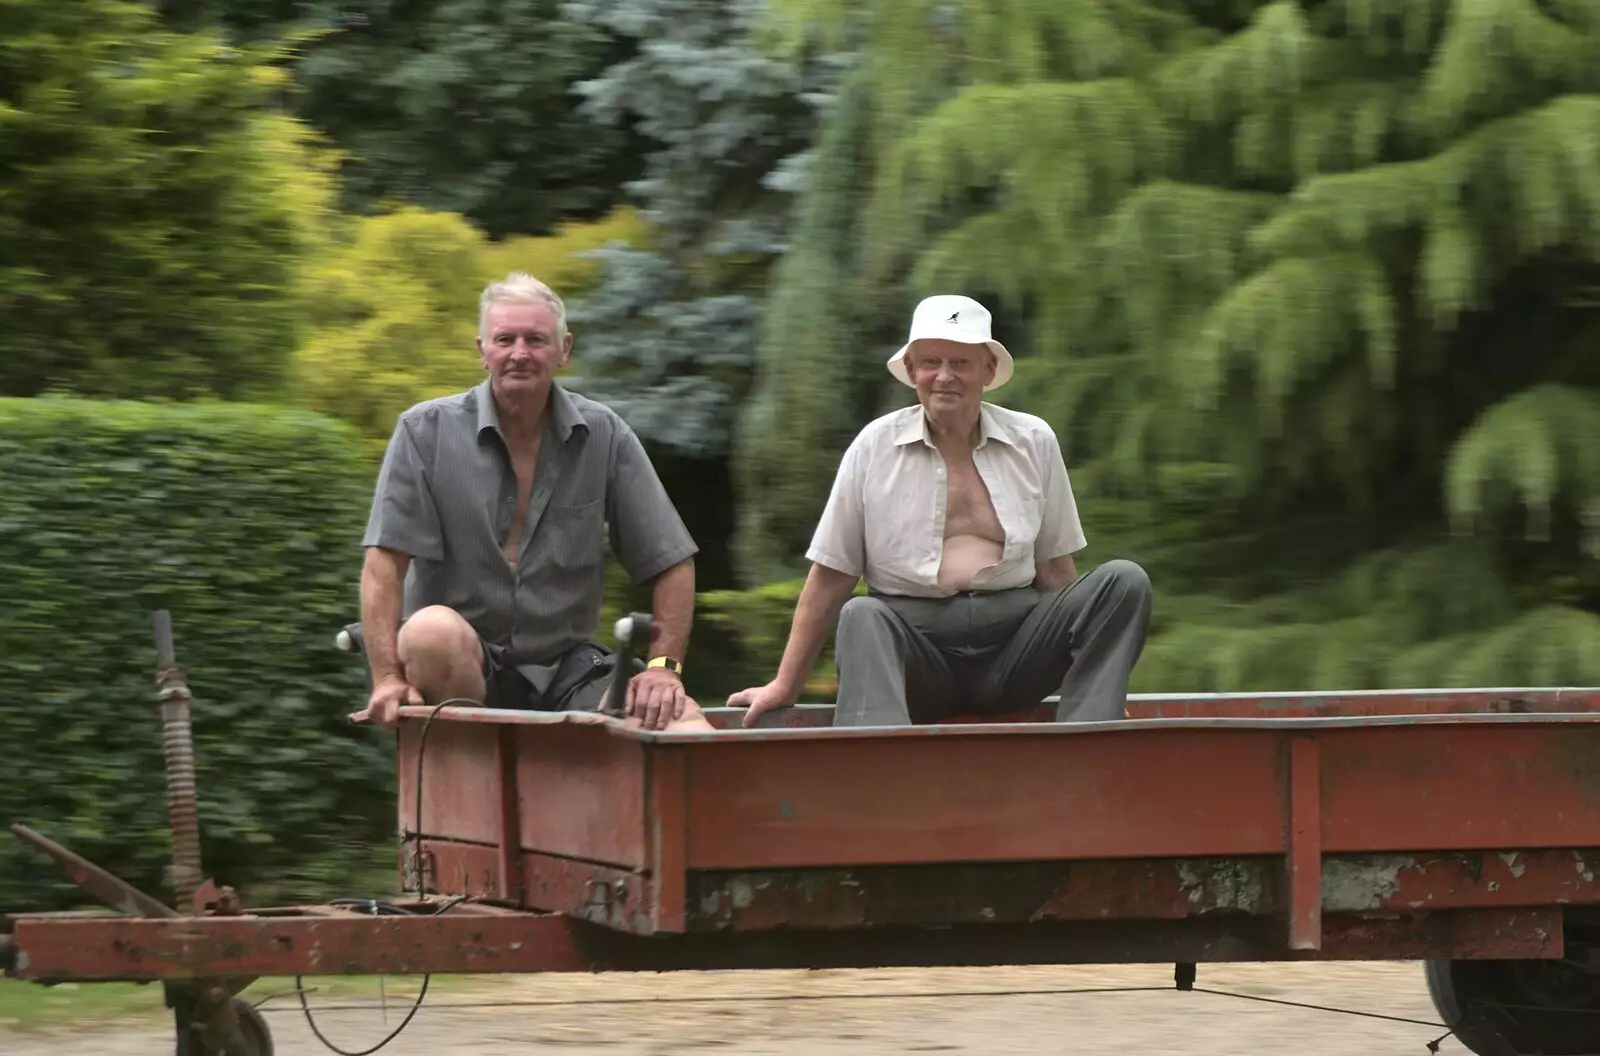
[(960, 516)]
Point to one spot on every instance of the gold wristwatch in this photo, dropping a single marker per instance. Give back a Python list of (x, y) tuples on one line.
[(667, 662)]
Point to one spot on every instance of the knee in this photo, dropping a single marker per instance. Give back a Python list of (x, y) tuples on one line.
[(859, 613), (438, 636), (1128, 578)]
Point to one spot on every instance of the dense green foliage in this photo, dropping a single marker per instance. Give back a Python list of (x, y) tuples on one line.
[(461, 106), (244, 522), (154, 207), (669, 332), (394, 313), (1308, 283), (1308, 290)]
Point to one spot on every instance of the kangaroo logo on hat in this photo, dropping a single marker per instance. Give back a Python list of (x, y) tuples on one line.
[(940, 316)]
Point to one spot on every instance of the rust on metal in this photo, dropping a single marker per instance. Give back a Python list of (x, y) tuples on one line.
[(586, 891), (136, 950), (177, 744), (1123, 889), (183, 949), (1166, 889), (112, 891), (1494, 878), (1304, 858), (220, 901)]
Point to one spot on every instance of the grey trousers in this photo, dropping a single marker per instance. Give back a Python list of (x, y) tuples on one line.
[(905, 660)]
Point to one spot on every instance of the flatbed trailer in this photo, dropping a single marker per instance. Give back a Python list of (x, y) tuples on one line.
[(1459, 828)]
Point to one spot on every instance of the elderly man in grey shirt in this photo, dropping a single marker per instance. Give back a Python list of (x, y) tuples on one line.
[(486, 543), (960, 516)]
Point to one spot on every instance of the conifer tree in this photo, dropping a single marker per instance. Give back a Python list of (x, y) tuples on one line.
[(667, 336), (1315, 277)]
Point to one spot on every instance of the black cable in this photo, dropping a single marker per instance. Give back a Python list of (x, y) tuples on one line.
[(378, 905), (381, 907), (1321, 1008), (422, 749), (751, 998), (886, 995)]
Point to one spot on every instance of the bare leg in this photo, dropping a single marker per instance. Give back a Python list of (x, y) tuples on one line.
[(693, 719), (441, 656)]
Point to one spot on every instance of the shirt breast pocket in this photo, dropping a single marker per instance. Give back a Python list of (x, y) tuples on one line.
[(900, 526), (577, 534), (1025, 521)]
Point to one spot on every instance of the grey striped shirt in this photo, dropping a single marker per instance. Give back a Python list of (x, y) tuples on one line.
[(446, 495)]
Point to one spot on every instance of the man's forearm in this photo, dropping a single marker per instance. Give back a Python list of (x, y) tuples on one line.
[(382, 587), (824, 594), (1053, 575), (672, 604)]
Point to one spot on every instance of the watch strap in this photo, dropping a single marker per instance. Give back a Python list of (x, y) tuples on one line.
[(667, 662)]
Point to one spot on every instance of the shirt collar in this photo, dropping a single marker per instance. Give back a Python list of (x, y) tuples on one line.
[(563, 413), (990, 427)]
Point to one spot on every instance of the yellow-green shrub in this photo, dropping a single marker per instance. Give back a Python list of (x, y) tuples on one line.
[(394, 308)]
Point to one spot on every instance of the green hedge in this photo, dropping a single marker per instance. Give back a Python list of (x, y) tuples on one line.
[(245, 522)]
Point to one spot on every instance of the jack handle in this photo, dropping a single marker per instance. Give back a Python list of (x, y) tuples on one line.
[(634, 633)]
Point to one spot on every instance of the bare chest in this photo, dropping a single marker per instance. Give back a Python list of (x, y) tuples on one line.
[(969, 508), (524, 463)]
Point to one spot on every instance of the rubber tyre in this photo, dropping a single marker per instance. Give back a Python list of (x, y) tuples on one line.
[(1467, 995), (253, 1031), (253, 1028)]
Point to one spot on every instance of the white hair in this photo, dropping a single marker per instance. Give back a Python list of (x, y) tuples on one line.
[(522, 288)]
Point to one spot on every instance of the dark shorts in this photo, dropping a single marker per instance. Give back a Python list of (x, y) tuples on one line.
[(576, 681)]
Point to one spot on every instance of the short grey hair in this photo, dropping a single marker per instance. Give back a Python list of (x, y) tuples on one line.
[(522, 288)]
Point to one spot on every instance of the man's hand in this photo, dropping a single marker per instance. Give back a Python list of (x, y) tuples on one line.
[(656, 697), (383, 707), (762, 699)]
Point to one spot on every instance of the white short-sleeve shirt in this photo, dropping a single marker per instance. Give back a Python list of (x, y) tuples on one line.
[(885, 516)]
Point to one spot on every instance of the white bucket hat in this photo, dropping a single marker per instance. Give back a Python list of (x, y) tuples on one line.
[(954, 318)]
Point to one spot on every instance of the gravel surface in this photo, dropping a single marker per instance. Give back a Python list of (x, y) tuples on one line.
[(814, 1013)]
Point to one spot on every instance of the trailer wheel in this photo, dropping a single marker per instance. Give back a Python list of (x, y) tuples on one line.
[(254, 1038), (1519, 1008), (253, 1029)]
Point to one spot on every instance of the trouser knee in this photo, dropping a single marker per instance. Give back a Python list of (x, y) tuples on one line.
[(865, 626), (863, 615), (1128, 582)]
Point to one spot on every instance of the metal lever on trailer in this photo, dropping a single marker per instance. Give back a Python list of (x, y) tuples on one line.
[(634, 633)]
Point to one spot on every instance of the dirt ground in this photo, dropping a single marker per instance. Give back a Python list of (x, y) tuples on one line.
[(826, 1014)]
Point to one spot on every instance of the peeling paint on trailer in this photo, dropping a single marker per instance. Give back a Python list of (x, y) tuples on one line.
[(1368, 883)]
